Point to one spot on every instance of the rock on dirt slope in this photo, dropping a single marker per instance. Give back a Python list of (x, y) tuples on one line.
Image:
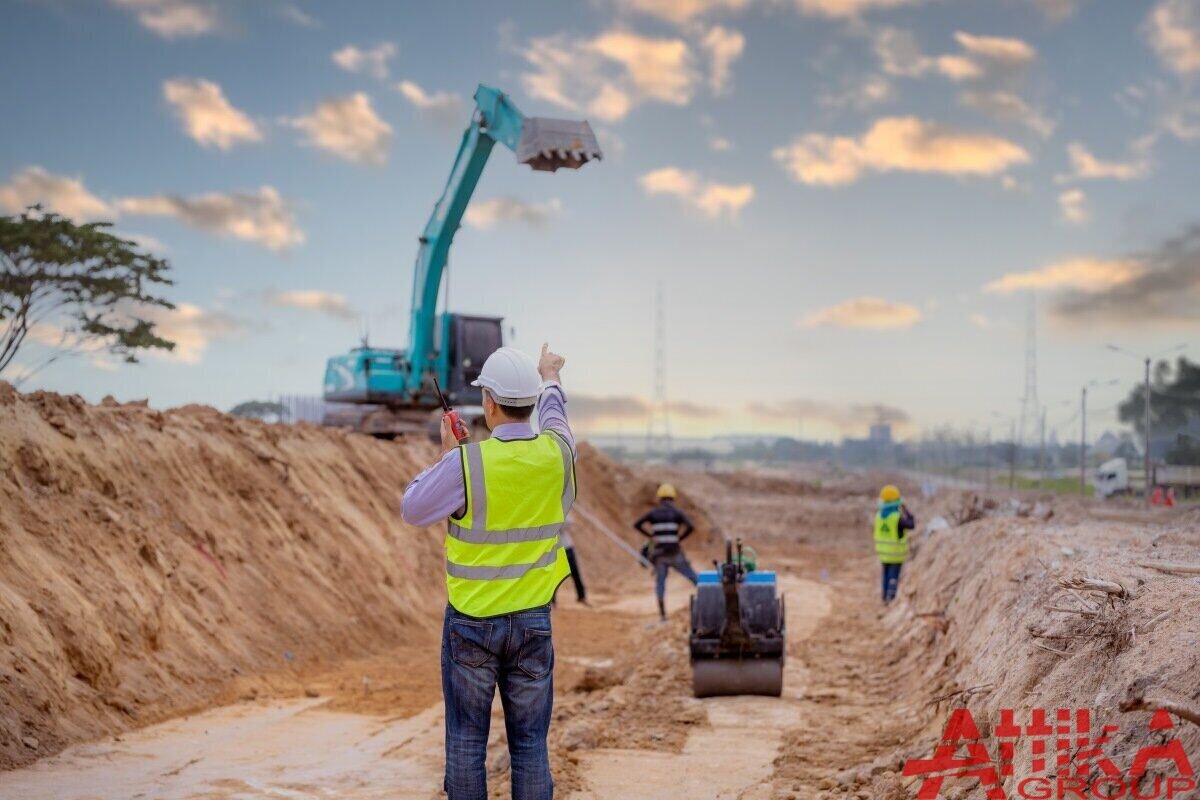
[(150, 559)]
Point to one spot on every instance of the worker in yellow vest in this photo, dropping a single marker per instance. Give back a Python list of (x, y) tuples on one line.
[(505, 500), (892, 521)]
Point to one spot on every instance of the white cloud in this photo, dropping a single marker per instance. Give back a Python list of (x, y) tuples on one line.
[(1056, 10), (373, 62), (67, 196), (845, 9), (174, 19), (261, 217), (607, 76), (1175, 110), (1072, 204), (681, 12), (146, 242), (724, 46), (299, 16), (997, 48), (190, 327), (348, 128), (992, 66), (980, 321), (864, 312), (719, 144), (1173, 28), (335, 305), (488, 213), (1085, 165), (207, 116), (1081, 274), (658, 68), (905, 144), (713, 199), (1008, 107), (862, 94), (445, 107), (990, 57)]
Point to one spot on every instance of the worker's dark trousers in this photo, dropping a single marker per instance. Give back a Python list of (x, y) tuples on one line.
[(676, 561), (891, 580), (580, 592), (514, 652)]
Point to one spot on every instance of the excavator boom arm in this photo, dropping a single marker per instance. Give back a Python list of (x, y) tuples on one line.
[(496, 119)]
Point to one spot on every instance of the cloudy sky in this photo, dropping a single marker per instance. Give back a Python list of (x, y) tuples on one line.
[(848, 202)]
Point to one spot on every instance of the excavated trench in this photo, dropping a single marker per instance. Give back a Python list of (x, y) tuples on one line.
[(184, 654)]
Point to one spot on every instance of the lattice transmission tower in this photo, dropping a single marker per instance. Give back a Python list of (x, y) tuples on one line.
[(1030, 408), (658, 427)]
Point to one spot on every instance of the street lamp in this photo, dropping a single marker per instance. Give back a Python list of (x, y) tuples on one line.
[(1083, 430), (1146, 424)]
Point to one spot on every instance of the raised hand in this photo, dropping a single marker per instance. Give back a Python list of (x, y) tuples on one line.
[(549, 364)]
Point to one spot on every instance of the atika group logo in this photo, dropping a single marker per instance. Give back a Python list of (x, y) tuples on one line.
[(1068, 760)]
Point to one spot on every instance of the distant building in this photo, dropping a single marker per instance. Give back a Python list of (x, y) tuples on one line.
[(881, 433)]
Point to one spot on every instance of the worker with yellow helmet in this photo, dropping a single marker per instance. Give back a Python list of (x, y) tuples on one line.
[(666, 527), (892, 520)]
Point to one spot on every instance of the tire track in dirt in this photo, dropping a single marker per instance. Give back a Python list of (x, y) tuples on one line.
[(729, 757)]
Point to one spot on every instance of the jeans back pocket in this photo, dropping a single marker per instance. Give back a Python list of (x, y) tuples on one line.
[(470, 642), (536, 657)]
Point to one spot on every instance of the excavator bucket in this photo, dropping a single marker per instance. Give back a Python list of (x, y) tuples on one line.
[(550, 144)]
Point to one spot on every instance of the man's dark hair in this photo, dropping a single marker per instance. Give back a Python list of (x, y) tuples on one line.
[(516, 412)]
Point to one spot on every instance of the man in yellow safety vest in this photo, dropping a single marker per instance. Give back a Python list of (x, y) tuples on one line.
[(505, 500), (892, 520)]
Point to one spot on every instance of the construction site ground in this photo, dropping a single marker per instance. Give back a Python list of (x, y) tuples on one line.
[(195, 606)]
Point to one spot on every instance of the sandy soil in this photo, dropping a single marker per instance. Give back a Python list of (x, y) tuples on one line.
[(281, 638)]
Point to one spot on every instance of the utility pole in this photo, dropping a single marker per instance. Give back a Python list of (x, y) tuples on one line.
[(1146, 422), (1083, 443), (1146, 453)]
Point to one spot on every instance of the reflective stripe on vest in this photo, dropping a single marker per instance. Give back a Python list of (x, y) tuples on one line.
[(890, 548), (665, 532), (503, 555)]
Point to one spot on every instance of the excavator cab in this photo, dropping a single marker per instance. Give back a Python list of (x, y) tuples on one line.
[(466, 343)]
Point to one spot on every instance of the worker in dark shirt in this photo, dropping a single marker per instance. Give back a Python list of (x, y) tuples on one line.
[(666, 526)]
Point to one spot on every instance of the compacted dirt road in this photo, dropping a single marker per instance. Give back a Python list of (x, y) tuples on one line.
[(863, 689), (626, 724)]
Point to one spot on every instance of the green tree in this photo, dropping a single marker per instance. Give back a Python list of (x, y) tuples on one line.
[(84, 285), (1174, 402)]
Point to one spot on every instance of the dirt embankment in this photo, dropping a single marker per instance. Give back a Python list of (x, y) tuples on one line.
[(155, 562), (989, 618)]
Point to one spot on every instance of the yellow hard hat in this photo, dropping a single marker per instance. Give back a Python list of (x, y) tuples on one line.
[(889, 494), (666, 491)]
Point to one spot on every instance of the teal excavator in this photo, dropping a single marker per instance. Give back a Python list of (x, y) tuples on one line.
[(392, 392)]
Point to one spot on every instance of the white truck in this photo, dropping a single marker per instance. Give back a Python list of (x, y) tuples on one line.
[(1115, 478)]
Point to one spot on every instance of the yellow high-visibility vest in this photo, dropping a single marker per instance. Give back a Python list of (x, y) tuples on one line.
[(503, 554), (890, 548)]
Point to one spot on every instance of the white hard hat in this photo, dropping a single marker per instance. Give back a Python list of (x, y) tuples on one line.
[(510, 377)]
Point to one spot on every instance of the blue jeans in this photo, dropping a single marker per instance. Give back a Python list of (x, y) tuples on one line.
[(514, 652), (891, 580), (676, 561)]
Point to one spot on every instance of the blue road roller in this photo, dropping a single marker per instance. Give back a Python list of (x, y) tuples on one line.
[(738, 635)]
